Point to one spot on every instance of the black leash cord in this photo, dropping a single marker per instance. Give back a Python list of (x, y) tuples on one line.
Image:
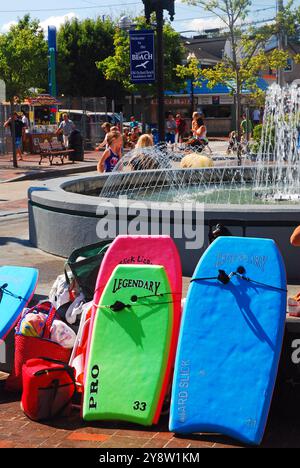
[(118, 306), (158, 295), (224, 278), (245, 278), (3, 290)]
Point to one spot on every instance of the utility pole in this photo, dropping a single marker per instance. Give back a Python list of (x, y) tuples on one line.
[(160, 73), (281, 37), (158, 7)]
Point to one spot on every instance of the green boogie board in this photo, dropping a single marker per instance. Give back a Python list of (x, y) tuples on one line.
[(129, 347)]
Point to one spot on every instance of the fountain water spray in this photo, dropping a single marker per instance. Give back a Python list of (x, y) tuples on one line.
[(278, 166)]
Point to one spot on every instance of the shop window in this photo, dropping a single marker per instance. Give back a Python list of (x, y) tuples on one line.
[(217, 112)]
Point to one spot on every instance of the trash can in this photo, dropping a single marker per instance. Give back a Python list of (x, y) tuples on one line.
[(76, 143)]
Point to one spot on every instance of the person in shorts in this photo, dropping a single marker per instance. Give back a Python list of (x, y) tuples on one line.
[(18, 124), (65, 127)]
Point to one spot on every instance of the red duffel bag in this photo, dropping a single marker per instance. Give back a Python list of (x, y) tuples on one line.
[(48, 388), (30, 347)]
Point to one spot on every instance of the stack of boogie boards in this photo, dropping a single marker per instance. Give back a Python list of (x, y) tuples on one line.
[(143, 251), (20, 284), (230, 340), (130, 346)]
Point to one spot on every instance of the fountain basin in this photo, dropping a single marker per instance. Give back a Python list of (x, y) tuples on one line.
[(63, 215)]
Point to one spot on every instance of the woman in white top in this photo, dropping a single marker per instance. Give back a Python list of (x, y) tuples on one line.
[(201, 133)]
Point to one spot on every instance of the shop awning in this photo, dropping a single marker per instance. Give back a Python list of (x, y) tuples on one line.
[(42, 100), (218, 89)]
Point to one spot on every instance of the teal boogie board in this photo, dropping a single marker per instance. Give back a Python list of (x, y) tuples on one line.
[(130, 346), (19, 284), (230, 340)]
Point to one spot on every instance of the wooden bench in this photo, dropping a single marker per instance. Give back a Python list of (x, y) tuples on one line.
[(53, 149)]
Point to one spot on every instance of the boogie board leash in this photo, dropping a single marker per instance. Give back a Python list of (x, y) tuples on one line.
[(4, 290), (224, 278), (118, 306)]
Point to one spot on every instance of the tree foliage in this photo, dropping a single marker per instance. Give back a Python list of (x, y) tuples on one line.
[(23, 58), (80, 44), (117, 65), (240, 68), (248, 58)]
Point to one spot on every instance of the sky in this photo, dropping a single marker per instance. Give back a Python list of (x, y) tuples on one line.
[(187, 18)]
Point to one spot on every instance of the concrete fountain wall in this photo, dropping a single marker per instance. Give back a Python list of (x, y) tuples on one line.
[(62, 218)]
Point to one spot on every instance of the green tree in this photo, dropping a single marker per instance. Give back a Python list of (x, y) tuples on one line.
[(80, 44), (117, 66), (247, 58), (23, 61)]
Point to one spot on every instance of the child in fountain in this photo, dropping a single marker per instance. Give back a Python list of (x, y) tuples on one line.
[(112, 154), (143, 158)]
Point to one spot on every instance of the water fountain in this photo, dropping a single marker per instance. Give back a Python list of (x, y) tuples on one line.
[(64, 213), (278, 165)]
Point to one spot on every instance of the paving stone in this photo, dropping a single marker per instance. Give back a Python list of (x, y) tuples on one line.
[(156, 443), (88, 436), (178, 443), (78, 444), (136, 433), (6, 444), (121, 442), (164, 435), (97, 430)]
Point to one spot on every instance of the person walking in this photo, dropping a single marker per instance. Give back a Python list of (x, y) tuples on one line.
[(18, 126), (65, 127)]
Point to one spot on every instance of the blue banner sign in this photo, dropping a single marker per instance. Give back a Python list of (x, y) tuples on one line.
[(142, 56)]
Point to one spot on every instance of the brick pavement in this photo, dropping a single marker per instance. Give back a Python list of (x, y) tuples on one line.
[(17, 431), (30, 165)]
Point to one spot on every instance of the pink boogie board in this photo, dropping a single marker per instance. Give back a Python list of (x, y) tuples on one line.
[(147, 250)]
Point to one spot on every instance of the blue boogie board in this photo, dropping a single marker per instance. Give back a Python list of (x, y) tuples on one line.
[(230, 341), (21, 283)]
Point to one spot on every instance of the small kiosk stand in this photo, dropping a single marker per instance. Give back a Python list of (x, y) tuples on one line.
[(43, 118)]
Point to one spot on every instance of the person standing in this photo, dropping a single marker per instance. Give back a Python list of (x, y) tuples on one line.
[(246, 128), (65, 127), (106, 127), (256, 117), (170, 129), (18, 126), (25, 121), (133, 123), (180, 128)]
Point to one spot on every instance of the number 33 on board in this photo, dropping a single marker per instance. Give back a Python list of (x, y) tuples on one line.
[(139, 406)]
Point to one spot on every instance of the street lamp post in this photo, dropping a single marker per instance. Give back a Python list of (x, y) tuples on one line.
[(190, 57), (158, 7)]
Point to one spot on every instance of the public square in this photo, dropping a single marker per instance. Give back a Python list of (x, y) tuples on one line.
[(150, 226)]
